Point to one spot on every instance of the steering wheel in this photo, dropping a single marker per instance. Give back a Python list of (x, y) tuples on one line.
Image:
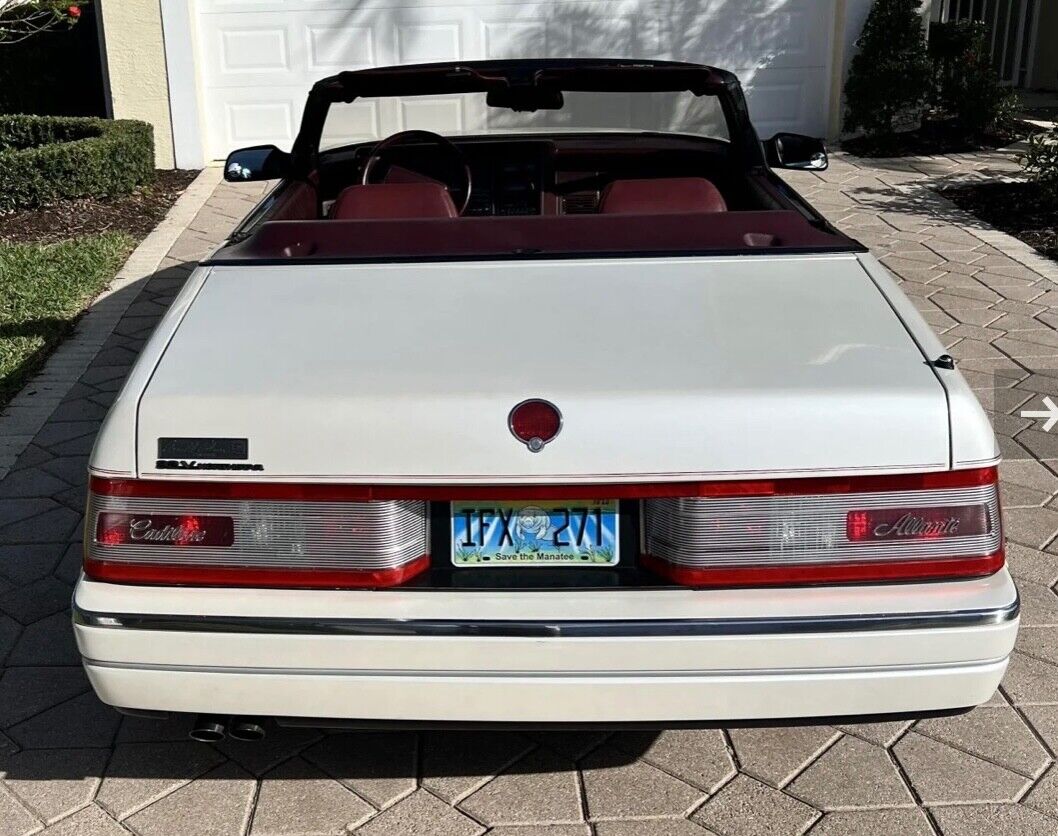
[(458, 182)]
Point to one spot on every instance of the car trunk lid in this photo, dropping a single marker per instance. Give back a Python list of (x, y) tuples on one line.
[(663, 370)]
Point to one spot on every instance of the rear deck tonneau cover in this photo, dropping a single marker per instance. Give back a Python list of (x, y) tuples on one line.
[(536, 237), (664, 369)]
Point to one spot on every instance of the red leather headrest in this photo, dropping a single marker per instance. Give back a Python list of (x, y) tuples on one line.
[(662, 196), (394, 201)]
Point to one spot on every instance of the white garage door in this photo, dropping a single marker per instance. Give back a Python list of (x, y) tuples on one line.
[(257, 59)]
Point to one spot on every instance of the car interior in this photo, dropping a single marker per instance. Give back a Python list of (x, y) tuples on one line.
[(527, 196), (418, 175), (530, 193)]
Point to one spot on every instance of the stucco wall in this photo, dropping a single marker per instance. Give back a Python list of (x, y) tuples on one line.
[(136, 65)]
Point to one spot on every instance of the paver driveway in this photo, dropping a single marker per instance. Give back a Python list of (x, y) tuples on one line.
[(74, 766)]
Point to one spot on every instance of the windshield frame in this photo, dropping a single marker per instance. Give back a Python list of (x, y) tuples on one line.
[(566, 75)]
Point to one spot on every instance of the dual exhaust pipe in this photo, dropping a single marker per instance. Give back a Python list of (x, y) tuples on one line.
[(211, 728)]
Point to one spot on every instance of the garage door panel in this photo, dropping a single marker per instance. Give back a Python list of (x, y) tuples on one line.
[(504, 37), (258, 58), (254, 50), (355, 122), (285, 49), (339, 45), (441, 114), (237, 52), (426, 43), (597, 35), (559, 30), (240, 119), (786, 100), (206, 7), (738, 36)]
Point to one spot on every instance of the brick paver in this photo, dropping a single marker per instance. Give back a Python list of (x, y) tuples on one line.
[(70, 765)]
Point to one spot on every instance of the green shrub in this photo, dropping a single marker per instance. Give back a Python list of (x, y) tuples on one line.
[(890, 75), (1041, 161), (965, 85), (49, 158)]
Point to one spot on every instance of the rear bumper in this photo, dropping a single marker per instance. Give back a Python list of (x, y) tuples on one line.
[(611, 656), (458, 697)]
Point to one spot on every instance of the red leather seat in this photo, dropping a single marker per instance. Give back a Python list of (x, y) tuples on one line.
[(394, 201), (661, 196)]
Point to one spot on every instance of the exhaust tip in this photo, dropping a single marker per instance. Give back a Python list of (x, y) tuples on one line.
[(207, 729), (246, 729)]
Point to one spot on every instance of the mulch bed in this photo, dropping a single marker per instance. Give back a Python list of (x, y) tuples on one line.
[(136, 214), (938, 137), (1019, 209)]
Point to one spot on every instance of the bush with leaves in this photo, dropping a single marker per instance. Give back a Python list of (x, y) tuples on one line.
[(49, 158), (965, 84), (889, 77), (1041, 161)]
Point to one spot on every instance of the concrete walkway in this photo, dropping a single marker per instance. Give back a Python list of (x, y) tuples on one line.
[(73, 766)]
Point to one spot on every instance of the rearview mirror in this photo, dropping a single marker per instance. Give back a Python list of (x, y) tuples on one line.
[(804, 153), (525, 99), (262, 162)]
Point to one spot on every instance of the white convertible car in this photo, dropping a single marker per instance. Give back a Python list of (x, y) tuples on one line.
[(541, 425)]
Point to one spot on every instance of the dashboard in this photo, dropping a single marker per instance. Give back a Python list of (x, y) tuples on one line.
[(509, 178)]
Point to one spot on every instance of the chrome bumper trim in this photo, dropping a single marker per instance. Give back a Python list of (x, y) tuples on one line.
[(465, 673), (468, 628)]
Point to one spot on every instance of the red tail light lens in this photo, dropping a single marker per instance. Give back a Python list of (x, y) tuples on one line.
[(535, 422), (830, 531), (179, 530), (761, 532), (143, 536), (888, 525)]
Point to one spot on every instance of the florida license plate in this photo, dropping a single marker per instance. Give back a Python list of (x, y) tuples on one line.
[(581, 533)]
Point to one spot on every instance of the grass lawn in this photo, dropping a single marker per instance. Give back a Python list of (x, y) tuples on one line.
[(43, 289)]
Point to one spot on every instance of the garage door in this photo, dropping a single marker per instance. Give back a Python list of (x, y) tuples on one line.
[(256, 59)]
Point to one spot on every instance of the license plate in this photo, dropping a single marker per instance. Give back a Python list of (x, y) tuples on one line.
[(581, 533)]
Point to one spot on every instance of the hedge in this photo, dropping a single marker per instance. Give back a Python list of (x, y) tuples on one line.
[(49, 158), (889, 76), (965, 83)]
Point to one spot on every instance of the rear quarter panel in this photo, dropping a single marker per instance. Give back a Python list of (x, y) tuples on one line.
[(114, 453), (973, 443)]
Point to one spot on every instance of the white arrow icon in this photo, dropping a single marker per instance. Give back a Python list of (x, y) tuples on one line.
[(1050, 413)]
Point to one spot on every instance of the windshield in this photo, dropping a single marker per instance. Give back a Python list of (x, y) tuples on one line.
[(367, 119)]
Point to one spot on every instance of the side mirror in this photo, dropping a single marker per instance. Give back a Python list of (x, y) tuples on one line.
[(262, 162), (798, 152)]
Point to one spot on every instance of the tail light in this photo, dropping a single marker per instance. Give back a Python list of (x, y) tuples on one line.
[(748, 533), (136, 533), (944, 525)]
